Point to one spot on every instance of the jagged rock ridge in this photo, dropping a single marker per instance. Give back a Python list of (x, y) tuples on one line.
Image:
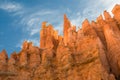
[(91, 53)]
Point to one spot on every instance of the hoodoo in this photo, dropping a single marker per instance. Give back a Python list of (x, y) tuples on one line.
[(90, 53)]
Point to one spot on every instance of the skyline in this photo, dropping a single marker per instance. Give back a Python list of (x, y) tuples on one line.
[(21, 20)]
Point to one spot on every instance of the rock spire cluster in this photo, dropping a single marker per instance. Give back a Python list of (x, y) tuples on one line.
[(90, 53)]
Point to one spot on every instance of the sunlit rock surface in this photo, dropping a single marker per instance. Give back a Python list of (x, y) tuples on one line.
[(89, 53)]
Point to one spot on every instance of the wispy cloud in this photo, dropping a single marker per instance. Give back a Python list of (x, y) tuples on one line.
[(31, 23), (77, 21), (92, 12), (10, 6), (33, 20), (99, 6)]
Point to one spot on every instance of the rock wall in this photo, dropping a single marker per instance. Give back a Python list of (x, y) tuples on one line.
[(90, 53)]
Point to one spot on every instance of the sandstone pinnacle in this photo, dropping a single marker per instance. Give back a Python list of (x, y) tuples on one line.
[(89, 53)]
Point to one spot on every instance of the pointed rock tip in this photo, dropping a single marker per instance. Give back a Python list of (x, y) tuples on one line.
[(65, 16), (106, 15), (44, 24), (25, 44), (85, 22), (116, 8), (50, 27), (99, 18), (116, 13), (4, 51)]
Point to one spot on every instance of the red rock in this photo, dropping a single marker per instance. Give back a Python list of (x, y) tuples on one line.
[(13, 58), (34, 56), (107, 15), (89, 53), (112, 39), (87, 29), (23, 58), (25, 45), (48, 37), (80, 34), (3, 57), (3, 60), (12, 62), (72, 34), (47, 58), (100, 18), (116, 12), (67, 25), (43, 35), (98, 27)]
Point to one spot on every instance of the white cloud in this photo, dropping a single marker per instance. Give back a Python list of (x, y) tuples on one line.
[(34, 31), (32, 24), (93, 10), (77, 21), (106, 5), (32, 21), (42, 13), (10, 6)]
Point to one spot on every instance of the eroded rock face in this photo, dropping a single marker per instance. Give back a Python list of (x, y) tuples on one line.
[(116, 12), (67, 25), (113, 38), (89, 53), (48, 36), (3, 60)]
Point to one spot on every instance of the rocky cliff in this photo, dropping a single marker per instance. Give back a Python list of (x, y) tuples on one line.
[(89, 53)]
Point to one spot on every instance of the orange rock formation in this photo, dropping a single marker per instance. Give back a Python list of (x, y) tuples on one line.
[(91, 53)]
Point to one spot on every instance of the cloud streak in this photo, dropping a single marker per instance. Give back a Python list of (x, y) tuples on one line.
[(92, 10), (30, 20), (33, 20), (10, 6), (31, 23)]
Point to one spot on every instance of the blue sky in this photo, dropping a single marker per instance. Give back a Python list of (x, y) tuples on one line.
[(21, 19)]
